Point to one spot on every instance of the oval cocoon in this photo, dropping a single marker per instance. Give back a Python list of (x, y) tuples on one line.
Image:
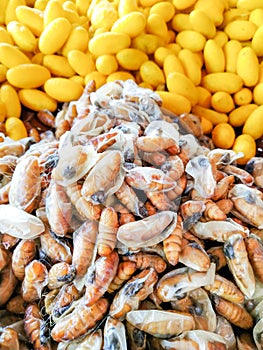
[(15, 128), (178, 104), (191, 65), (248, 66), (31, 17), (78, 40), (22, 36), (231, 51), (240, 30), (10, 10), (164, 9), (28, 75), (151, 73), (106, 64), (52, 11), (214, 57), (147, 43), (258, 94), (37, 100), (54, 35), (182, 85), (222, 81), (202, 23), (10, 98), (213, 116), (223, 135), (11, 56), (108, 43), (222, 102), (58, 66), (172, 64), (256, 16), (62, 89), (239, 115), (156, 25), (131, 24), (189, 39), (246, 144), (81, 62), (257, 41), (244, 96), (131, 59), (254, 123)]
